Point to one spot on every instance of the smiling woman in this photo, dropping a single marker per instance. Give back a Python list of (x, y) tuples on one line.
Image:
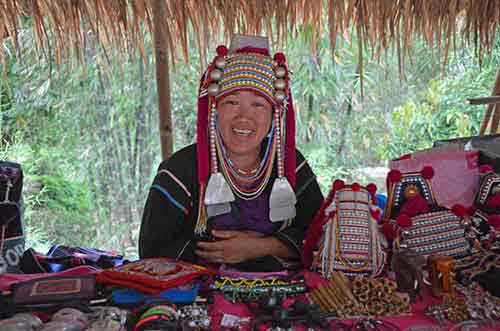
[(242, 195)]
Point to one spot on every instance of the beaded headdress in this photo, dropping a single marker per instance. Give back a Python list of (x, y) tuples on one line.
[(247, 65)]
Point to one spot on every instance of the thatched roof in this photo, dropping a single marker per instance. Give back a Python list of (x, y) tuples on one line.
[(65, 25)]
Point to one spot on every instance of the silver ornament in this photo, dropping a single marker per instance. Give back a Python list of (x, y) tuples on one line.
[(213, 89), (220, 62), (216, 75), (279, 84), (280, 95), (280, 72)]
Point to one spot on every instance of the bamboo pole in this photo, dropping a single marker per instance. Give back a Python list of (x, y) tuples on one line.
[(492, 116), (162, 77)]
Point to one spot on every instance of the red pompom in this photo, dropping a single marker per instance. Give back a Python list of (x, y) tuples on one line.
[(222, 50), (485, 168), (427, 172), (415, 206), (471, 210), (459, 210), (494, 221), (372, 188), (389, 231), (280, 57), (493, 201), (376, 213), (338, 184), (355, 187), (404, 221), (394, 176)]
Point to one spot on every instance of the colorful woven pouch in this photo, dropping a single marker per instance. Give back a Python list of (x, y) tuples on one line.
[(348, 239), (437, 232)]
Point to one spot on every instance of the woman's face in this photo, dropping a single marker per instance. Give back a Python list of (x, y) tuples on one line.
[(244, 119)]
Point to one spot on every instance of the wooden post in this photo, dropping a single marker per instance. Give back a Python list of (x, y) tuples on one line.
[(160, 32), (492, 117)]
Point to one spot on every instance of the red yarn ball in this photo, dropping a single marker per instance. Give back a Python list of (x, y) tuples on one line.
[(338, 184), (415, 206), (485, 168), (355, 187), (394, 176), (280, 57), (376, 214), (493, 201), (372, 188), (404, 221), (389, 231), (459, 210), (427, 172), (222, 50), (494, 221)]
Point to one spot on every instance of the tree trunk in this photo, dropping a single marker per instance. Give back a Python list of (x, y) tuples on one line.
[(162, 77)]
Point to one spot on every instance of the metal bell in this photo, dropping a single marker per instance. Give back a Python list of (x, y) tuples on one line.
[(280, 72), (216, 75), (279, 84), (220, 62), (280, 95), (213, 89)]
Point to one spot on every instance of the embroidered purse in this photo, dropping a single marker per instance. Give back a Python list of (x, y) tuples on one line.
[(437, 232), (347, 229)]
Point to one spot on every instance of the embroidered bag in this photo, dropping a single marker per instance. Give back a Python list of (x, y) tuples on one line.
[(347, 228), (437, 232), (413, 216), (457, 174), (11, 228)]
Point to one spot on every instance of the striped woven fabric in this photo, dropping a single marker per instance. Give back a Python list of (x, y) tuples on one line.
[(352, 241), (440, 232)]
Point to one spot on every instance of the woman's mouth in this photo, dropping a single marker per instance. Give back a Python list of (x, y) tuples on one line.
[(242, 132)]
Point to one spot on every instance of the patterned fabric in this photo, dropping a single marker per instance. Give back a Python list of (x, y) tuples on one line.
[(438, 232), (490, 185), (249, 71), (480, 228), (351, 240), (397, 198)]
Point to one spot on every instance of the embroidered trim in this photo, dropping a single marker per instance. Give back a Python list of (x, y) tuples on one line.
[(183, 249), (175, 179), (300, 166), (170, 198)]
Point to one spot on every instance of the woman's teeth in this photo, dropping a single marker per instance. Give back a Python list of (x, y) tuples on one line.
[(242, 132)]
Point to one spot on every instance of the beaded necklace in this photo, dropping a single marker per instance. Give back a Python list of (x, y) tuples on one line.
[(247, 187)]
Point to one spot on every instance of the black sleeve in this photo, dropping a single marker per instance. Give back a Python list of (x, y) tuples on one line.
[(166, 230), (309, 200)]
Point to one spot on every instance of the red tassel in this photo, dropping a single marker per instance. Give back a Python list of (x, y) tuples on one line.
[(394, 176), (404, 221), (222, 50), (427, 172), (355, 187), (493, 201), (389, 231), (494, 221), (372, 188), (290, 154), (460, 210), (415, 206)]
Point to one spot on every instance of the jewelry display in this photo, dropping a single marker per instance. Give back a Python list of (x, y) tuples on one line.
[(194, 318), (158, 317), (233, 323), (241, 289), (108, 319)]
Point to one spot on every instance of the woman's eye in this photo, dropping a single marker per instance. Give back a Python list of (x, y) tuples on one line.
[(258, 104), (231, 102)]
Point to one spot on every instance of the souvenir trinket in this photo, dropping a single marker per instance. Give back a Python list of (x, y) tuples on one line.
[(440, 273), (194, 318), (407, 265)]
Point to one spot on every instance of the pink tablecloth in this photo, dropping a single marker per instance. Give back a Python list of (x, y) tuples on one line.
[(222, 306)]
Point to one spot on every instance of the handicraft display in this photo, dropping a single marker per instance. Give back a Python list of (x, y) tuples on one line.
[(153, 275), (345, 230)]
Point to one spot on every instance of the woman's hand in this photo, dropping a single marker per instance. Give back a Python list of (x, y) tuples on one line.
[(232, 247)]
